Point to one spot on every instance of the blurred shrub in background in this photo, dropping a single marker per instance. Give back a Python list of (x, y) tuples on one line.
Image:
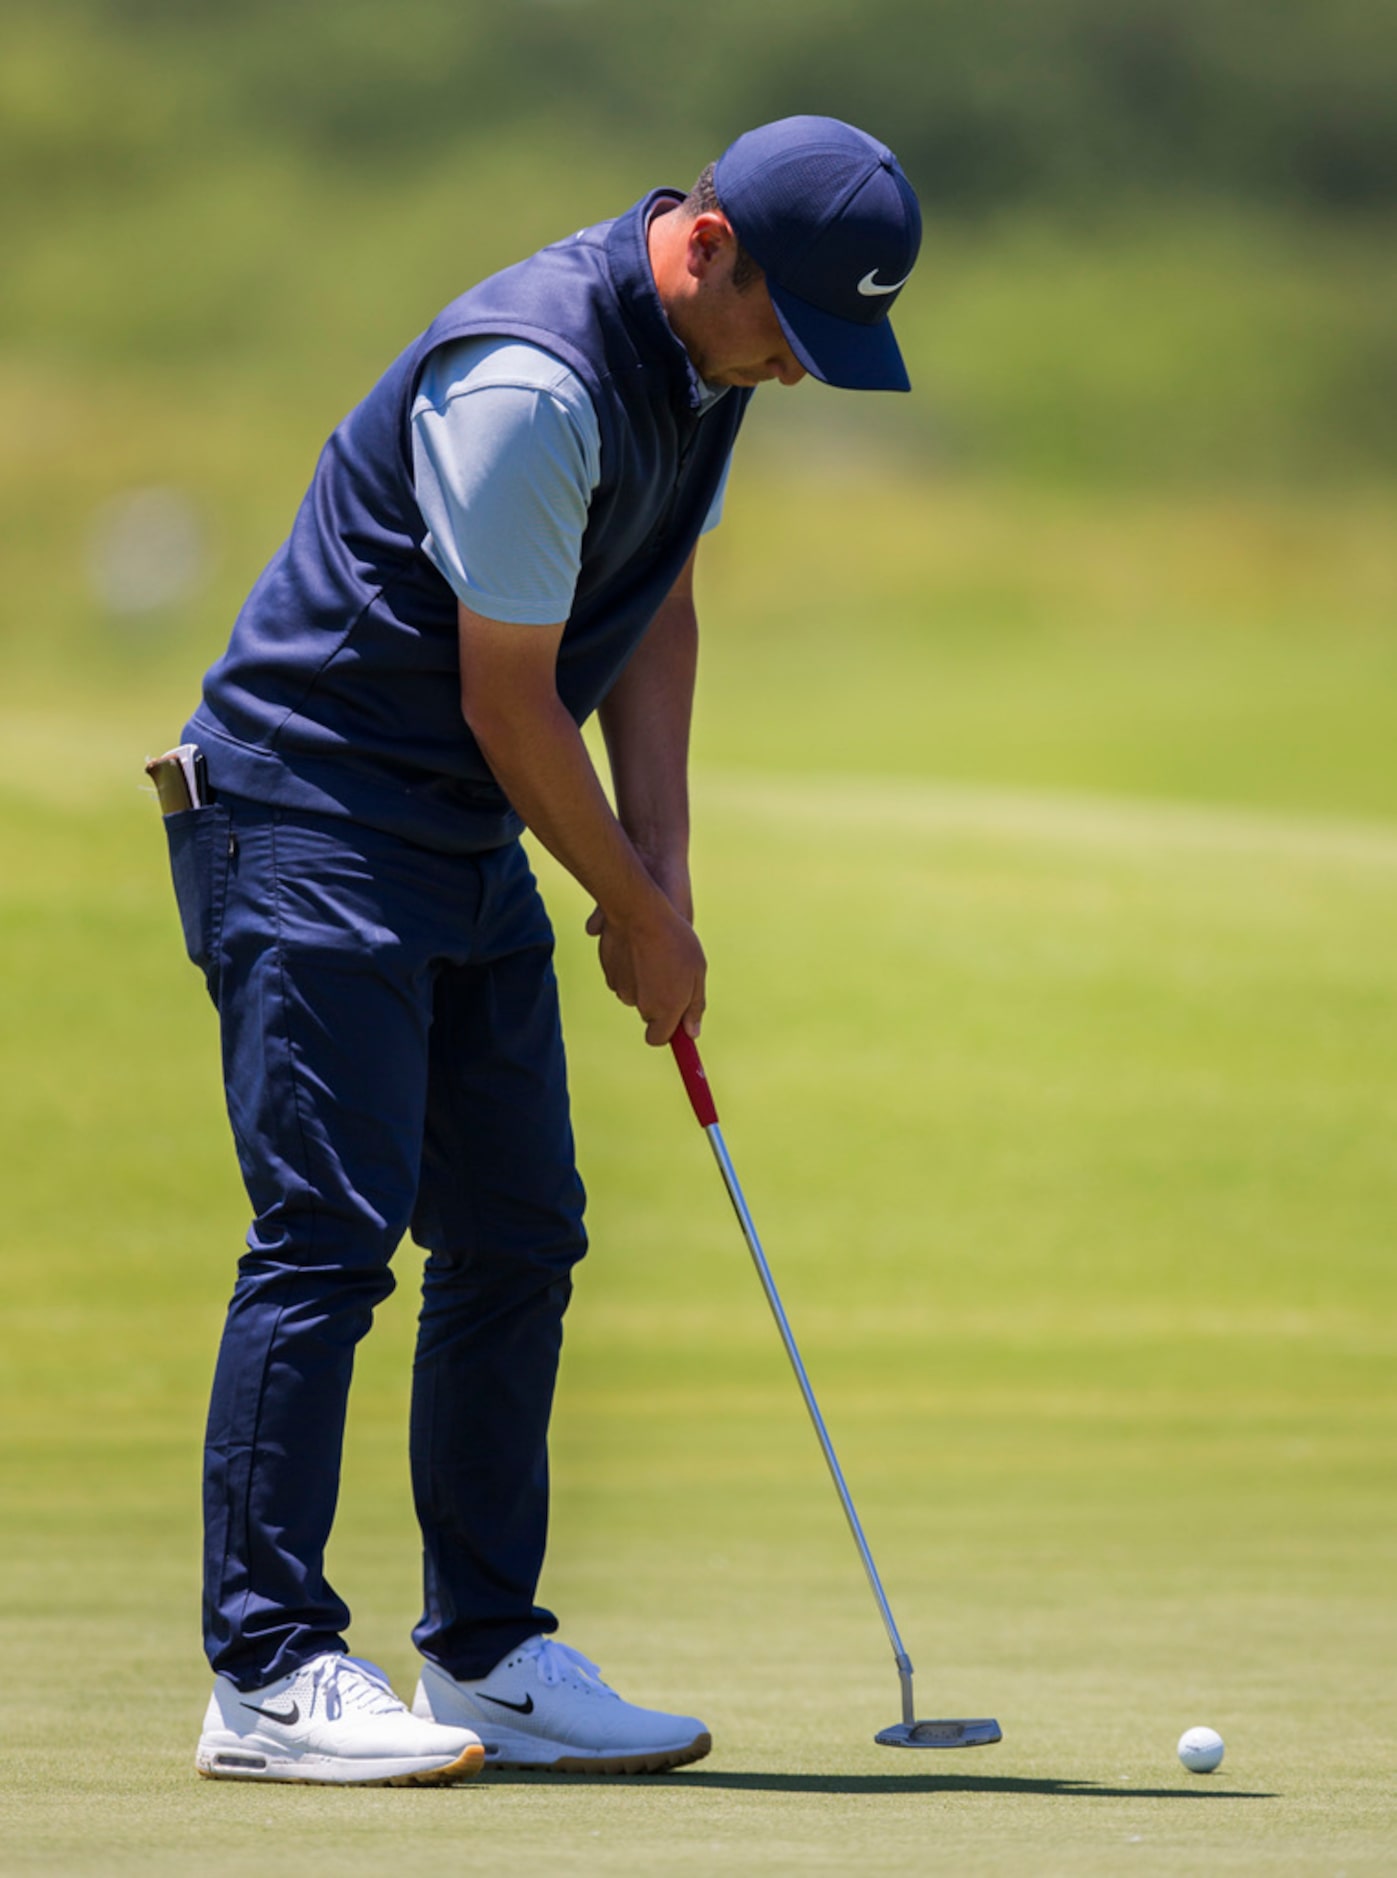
[(1159, 249), (989, 102)]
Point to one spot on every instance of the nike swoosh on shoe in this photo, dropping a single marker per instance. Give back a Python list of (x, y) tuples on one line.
[(526, 1707)]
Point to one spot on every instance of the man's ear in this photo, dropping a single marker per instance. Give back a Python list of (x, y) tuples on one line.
[(710, 234)]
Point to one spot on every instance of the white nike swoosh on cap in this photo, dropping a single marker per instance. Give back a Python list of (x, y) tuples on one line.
[(869, 284)]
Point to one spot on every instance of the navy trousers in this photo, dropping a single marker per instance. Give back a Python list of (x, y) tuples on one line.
[(393, 1060)]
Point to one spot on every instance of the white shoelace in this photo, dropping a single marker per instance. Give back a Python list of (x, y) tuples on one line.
[(340, 1682), (559, 1662)]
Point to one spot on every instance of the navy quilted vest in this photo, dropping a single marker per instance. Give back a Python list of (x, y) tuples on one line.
[(340, 688)]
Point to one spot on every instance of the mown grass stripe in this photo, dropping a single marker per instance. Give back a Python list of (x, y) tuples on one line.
[(847, 802)]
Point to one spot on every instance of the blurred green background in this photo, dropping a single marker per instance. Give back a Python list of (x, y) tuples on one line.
[(1047, 860)]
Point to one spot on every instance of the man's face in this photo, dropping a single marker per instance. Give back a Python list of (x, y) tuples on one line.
[(740, 341), (732, 335)]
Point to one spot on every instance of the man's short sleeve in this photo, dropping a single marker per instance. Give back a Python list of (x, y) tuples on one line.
[(715, 507), (506, 453)]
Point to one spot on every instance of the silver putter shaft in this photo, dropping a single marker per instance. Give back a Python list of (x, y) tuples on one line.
[(909, 1732)]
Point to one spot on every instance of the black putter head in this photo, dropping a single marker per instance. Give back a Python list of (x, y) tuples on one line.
[(940, 1734)]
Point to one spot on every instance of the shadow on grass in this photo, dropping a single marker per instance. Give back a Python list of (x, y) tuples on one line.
[(889, 1783)]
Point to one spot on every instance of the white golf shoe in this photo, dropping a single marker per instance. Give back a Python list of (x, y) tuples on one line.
[(545, 1706), (333, 1722)]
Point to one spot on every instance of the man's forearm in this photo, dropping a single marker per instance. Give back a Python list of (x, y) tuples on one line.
[(542, 764), (646, 720), (649, 951)]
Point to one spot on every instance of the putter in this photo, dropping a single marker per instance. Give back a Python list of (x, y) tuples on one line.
[(909, 1732)]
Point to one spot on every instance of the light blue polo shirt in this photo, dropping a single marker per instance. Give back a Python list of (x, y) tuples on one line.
[(506, 452)]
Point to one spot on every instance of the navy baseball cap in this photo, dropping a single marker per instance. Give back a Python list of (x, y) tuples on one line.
[(828, 214)]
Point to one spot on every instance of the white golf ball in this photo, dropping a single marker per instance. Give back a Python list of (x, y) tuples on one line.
[(1201, 1750)]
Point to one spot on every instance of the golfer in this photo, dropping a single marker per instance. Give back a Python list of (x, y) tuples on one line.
[(497, 542)]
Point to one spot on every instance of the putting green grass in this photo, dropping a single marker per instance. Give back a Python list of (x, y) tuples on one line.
[(1067, 1118)]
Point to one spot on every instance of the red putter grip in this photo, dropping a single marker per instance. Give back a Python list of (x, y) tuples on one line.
[(695, 1082)]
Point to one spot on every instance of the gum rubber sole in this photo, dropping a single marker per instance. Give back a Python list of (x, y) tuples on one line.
[(465, 1767), (658, 1762)]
